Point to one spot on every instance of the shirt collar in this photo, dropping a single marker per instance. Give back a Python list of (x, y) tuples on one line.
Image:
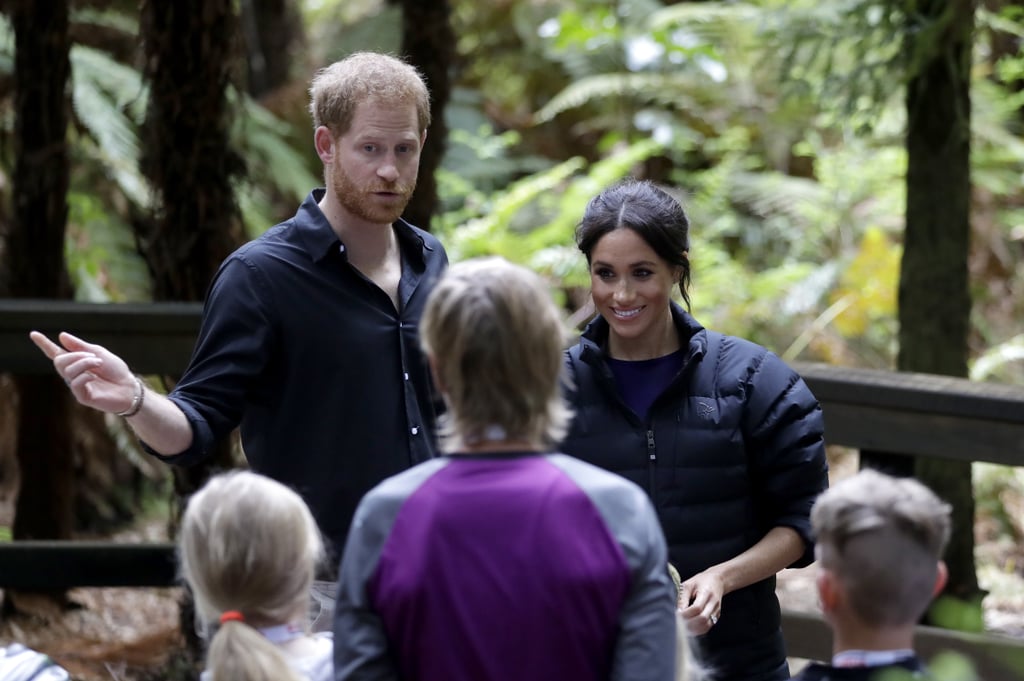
[(320, 240), (871, 658)]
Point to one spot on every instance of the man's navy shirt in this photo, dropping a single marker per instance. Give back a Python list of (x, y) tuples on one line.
[(324, 377)]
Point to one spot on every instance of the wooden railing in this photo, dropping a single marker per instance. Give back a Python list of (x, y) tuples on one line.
[(914, 414), (154, 338)]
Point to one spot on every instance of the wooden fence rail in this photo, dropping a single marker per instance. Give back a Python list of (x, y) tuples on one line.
[(59, 565), (907, 413)]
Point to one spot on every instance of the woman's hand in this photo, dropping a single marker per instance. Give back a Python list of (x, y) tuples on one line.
[(700, 597), (700, 602)]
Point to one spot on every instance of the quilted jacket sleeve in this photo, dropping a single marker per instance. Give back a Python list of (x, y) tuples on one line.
[(784, 430)]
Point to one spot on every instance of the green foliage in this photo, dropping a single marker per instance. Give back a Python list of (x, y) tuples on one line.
[(341, 28), (477, 157), (951, 666), (953, 613), (849, 55), (999, 360), (780, 121), (740, 95), (492, 231), (997, 154), (100, 252), (946, 666), (643, 58), (999, 494), (274, 166), (772, 252), (109, 101), (531, 221), (868, 285), (6, 46), (685, 74)]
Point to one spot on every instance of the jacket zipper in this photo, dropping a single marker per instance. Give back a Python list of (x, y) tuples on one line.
[(652, 460)]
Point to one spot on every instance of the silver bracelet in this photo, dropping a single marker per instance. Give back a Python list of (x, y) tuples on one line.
[(137, 399)]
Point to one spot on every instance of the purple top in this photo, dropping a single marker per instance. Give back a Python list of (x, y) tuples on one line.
[(641, 381), (502, 567)]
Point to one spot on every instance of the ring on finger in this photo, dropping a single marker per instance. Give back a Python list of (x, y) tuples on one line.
[(714, 620)]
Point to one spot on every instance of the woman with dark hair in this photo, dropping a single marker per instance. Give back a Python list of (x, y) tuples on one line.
[(725, 438)]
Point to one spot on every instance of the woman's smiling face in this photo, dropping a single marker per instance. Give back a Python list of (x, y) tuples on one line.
[(632, 287)]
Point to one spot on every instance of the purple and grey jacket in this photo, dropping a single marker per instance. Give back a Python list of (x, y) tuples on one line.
[(505, 567)]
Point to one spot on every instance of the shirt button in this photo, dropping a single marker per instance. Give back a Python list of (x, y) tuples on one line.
[(415, 430), (406, 376)]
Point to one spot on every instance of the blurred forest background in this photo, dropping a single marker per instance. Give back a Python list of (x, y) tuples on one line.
[(788, 128)]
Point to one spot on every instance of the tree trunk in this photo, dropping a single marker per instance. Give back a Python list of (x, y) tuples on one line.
[(187, 155), (189, 160), (273, 35), (428, 42), (35, 259), (934, 298)]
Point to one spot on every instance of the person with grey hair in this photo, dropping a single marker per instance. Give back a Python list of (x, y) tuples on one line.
[(880, 542), (309, 341), (503, 559), (248, 549)]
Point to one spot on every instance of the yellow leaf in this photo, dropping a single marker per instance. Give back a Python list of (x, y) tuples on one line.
[(870, 284)]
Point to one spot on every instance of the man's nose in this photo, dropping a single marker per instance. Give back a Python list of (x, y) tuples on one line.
[(388, 170)]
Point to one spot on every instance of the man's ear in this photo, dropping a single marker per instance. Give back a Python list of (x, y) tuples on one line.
[(941, 576), (323, 141), (423, 138)]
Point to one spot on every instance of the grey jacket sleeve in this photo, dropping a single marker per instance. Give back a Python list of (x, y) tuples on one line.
[(360, 641), (646, 647)]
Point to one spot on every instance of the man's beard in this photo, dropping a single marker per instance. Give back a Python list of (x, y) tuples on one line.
[(360, 202)]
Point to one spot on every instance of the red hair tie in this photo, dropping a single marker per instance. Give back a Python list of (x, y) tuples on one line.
[(231, 616)]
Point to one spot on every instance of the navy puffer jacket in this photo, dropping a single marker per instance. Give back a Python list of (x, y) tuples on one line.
[(732, 448)]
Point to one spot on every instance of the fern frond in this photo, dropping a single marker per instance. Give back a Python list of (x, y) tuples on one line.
[(108, 18), (711, 20), (492, 233), (6, 45), (263, 139), (121, 84), (107, 98), (559, 230), (641, 86), (772, 193), (996, 358)]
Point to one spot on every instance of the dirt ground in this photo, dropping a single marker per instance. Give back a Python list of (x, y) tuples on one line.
[(133, 634), (122, 634), (116, 634)]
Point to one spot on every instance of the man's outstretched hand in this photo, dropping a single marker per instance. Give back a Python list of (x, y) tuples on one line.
[(96, 377)]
